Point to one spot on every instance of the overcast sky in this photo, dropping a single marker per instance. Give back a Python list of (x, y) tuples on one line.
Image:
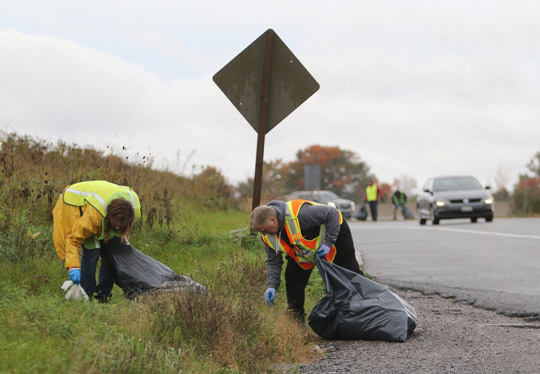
[(415, 88)]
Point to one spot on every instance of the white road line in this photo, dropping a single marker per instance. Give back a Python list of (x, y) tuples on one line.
[(394, 227), (507, 235), (520, 236)]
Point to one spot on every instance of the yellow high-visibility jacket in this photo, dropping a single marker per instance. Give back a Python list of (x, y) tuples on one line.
[(71, 229), (78, 217), (373, 192)]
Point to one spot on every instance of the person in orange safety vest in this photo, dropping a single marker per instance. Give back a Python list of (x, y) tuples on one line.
[(301, 229)]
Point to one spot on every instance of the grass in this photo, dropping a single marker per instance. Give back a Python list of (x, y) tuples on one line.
[(230, 330)]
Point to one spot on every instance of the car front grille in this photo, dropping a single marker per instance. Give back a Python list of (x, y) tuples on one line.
[(461, 201)]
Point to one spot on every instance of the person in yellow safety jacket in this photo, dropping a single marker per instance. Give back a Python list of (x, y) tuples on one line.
[(373, 192), (301, 229), (91, 215)]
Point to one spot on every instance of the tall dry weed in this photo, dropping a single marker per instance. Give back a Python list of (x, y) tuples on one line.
[(240, 276), (229, 333), (34, 172)]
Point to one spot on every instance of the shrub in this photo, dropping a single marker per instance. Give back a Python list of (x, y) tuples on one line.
[(232, 334), (527, 196)]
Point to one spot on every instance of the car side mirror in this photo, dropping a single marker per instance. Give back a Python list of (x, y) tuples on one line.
[(488, 187), (427, 190)]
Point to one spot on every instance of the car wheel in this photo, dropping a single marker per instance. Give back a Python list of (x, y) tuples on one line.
[(474, 219), (489, 218), (434, 218)]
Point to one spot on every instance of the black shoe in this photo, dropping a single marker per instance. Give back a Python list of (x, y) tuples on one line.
[(102, 298), (297, 315)]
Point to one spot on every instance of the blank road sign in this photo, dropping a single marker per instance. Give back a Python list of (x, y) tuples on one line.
[(290, 83)]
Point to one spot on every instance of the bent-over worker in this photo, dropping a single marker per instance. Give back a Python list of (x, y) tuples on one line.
[(301, 229), (90, 216)]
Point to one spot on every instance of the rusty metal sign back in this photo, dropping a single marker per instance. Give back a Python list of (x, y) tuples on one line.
[(290, 83)]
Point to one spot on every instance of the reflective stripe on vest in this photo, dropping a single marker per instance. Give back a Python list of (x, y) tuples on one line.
[(99, 194), (371, 192), (301, 250), (102, 207)]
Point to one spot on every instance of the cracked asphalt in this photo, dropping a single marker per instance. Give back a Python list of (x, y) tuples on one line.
[(475, 290), (451, 337)]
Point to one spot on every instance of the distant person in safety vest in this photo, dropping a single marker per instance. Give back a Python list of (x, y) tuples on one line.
[(399, 199), (373, 192), (301, 229), (88, 217)]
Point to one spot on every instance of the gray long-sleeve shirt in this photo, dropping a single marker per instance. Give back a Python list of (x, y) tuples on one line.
[(310, 218)]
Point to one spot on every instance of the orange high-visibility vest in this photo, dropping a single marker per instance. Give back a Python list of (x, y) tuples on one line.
[(301, 249)]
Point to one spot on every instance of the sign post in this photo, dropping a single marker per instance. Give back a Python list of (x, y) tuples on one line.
[(265, 82), (263, 118)]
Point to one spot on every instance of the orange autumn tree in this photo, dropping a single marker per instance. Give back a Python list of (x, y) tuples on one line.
[(526, 199), (274, 176), (342, 171)]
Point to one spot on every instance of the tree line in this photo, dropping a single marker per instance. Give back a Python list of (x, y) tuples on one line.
[(526, 195), (341, 171), (346, 174)]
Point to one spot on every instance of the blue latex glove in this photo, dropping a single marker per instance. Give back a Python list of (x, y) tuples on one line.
[(269, 295), (75, 275), (323, 250)]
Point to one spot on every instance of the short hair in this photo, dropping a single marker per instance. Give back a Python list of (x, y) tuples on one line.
[(260, 215)]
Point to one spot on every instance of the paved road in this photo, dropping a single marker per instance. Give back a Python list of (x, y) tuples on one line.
[(491, 265)]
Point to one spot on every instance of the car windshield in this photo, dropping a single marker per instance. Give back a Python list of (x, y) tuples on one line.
[(456, 183), (327, 196)]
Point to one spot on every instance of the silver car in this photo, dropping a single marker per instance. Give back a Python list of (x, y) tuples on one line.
[(457, 196), (347, 207)]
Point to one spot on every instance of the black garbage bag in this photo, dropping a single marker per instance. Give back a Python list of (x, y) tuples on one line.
[(407, 214), (362, 213), (357, 308), (137, 273)]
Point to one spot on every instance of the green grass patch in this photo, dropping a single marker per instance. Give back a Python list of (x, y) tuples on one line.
[(230, 330), (193, 225)]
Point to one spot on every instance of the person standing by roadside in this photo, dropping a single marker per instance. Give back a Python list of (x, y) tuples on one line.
[(90, 216), (301, 229), (399, 199), (373, 192)]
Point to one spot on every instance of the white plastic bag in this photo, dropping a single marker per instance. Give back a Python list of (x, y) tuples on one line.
[(74, 291)]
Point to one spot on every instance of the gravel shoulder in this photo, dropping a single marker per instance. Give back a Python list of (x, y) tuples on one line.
[(450, 337)]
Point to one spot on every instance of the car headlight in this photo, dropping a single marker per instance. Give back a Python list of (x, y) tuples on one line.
[(353, 207), (440, 203), (488, 201)]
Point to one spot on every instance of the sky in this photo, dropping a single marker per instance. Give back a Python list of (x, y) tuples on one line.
[(415, 88)]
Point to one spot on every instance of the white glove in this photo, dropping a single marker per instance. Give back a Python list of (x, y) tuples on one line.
[(74, 291), (67, 284)]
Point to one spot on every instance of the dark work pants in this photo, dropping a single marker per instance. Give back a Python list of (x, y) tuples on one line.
[(89, 262), (373, 209), (296, 278)]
